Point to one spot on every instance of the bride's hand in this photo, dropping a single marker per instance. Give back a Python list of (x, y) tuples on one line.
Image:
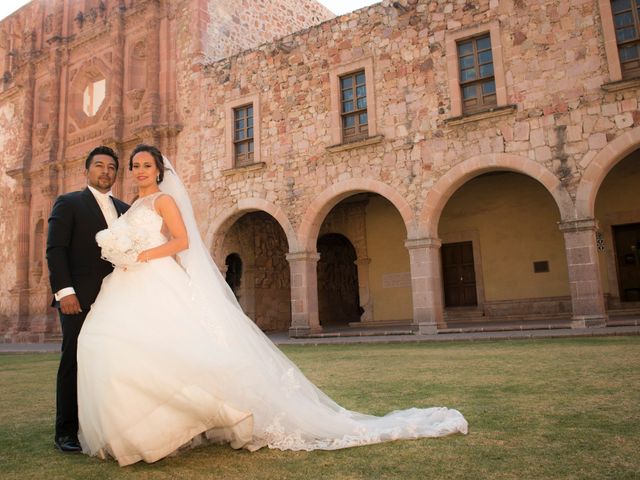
[(143, 257)]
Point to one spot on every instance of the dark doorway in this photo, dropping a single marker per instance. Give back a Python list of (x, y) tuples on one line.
[(627, 244), (458, 275), (234, 272), (338, 299)]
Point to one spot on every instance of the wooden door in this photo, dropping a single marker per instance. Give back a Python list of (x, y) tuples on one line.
[(627, 244), (338, 296), (458, 275)]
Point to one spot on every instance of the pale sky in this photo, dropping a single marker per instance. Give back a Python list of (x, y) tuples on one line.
[(339, 7)]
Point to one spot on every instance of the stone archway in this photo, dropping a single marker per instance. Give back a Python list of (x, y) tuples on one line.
[(259, 235), (446, 185), (424, 245), (617, 213), (598, 169), (221, 224), (322, 217), (503, 256), (579, 236), (330, 197)]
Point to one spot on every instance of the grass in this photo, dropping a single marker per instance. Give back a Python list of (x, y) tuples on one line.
[(537, 409)]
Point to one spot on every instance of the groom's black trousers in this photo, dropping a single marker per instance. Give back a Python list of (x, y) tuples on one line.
[(67, 383)]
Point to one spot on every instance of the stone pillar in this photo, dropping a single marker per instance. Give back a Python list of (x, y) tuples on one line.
[(22, 206), (117, 73), (151, 101), (363, 289), (426, 284), (55, 65), (23, 197), (49, 193), (304, 293), (587, 299)]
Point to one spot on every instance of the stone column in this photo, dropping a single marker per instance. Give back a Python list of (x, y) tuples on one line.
[(22, 207), (117, 73), (49, 193), (426, 284), (304, 293), (587, 299), (363, 289), (151, 102), (23, 196)]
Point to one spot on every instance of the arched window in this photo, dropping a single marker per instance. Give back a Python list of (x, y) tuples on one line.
[(234, 272)]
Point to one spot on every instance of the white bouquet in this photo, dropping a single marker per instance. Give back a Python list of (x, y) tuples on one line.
[(120, 244)]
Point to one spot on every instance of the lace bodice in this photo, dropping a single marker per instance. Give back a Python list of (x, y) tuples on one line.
[(137, 230), (142, 216)]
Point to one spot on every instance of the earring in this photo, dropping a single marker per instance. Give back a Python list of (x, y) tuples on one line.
[(158, 179)]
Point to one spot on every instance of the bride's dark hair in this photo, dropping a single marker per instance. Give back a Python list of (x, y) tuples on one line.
[(155, 153)]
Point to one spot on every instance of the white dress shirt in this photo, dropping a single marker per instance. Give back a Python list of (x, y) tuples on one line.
[(110, 214)]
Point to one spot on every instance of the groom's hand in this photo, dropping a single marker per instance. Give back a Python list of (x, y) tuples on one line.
[(70, 305)]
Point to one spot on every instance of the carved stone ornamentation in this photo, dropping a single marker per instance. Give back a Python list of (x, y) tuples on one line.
[(48, 24), (140, 50), (135, 97), (41, 131)]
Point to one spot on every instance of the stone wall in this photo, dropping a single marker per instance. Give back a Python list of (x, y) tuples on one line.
[(564, 116), (559, 107), (560, 118), (148, 56), (244, 24), (264, 291)]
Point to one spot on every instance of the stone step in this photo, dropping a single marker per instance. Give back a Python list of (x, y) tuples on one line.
[(463, 313), (624, 312), (53, 338), (623, 321), (381, 324), (361, 333), (507, 327), (509, 318)]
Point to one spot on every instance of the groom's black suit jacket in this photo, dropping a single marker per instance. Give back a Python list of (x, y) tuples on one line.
[(73, 256)]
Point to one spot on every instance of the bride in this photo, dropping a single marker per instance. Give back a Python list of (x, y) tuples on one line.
[(167, 354)]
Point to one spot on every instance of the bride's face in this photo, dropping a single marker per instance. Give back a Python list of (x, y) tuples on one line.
[(144, 169)]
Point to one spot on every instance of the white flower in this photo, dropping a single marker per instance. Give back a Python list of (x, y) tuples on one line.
[(120, 244)]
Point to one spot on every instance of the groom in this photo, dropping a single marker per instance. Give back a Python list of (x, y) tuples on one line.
[(76, 272)]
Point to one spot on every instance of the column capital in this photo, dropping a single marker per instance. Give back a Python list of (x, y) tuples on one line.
[(49, 191), (581, 225), (302, 256), (428, 242)]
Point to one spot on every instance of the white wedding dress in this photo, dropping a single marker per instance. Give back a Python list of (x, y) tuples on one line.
[(166, 354)]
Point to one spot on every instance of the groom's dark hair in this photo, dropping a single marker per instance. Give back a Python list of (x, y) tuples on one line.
[(155, 153), (101, 150)]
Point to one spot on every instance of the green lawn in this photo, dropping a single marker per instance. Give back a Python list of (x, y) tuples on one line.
[(537, 409)]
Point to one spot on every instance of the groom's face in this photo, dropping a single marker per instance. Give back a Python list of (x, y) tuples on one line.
[(101, 173)]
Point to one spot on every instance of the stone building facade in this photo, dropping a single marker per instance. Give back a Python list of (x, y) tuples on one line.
[(420, 163), (77, 73)]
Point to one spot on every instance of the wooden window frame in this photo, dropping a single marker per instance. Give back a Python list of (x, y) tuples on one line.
[(361, 130), (628, 73), (247, 157), (335, 73), (230, 144), (453, 71), (610, 42), (479, 81)]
